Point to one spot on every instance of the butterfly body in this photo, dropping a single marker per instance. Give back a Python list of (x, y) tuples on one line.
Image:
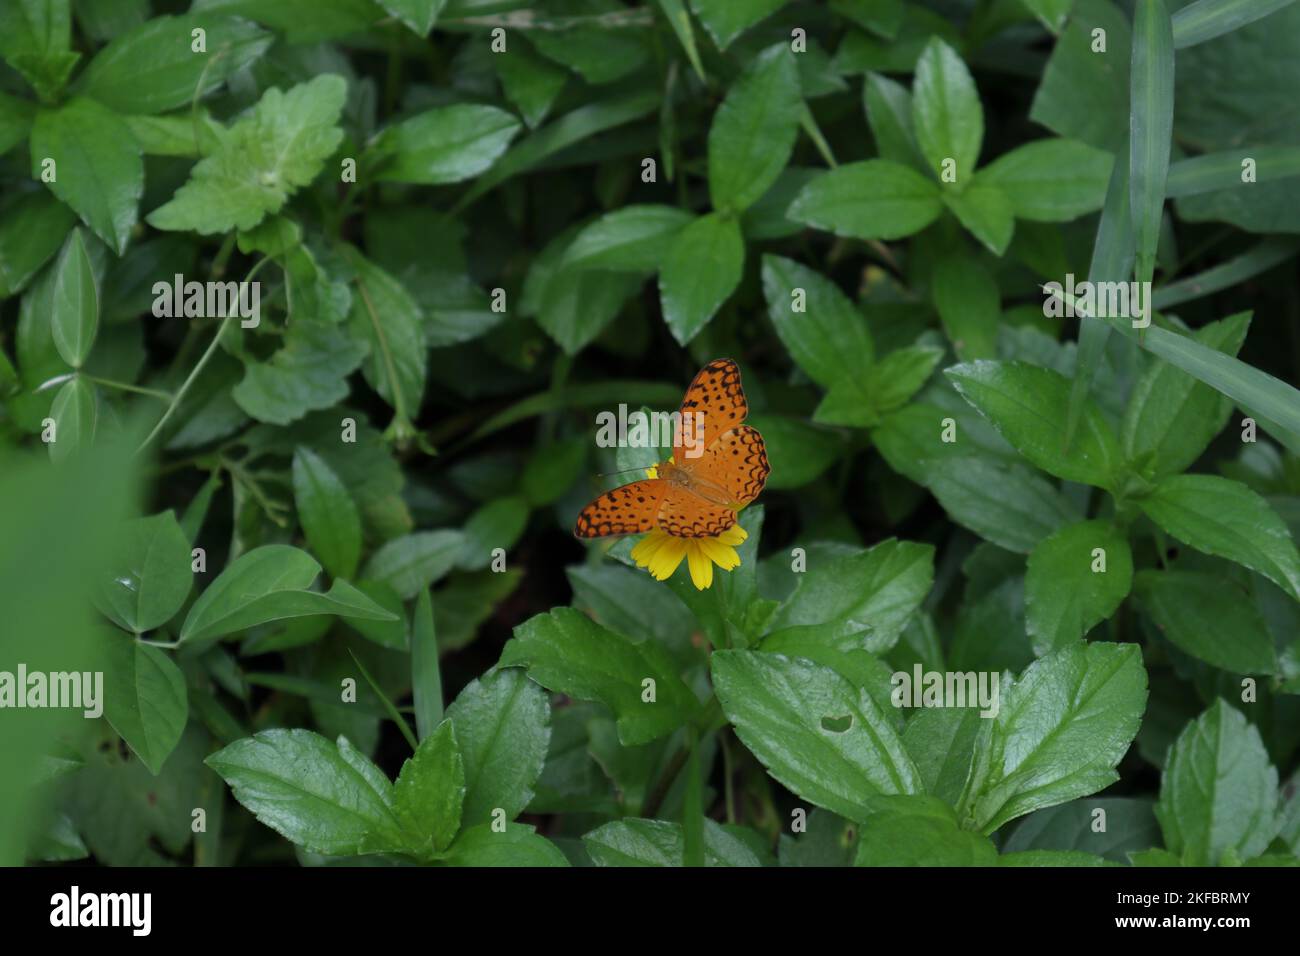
[(697, 493)]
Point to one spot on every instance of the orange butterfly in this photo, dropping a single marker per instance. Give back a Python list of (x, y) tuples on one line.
[(697, 493)]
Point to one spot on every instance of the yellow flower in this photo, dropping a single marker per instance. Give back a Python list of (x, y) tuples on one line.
[(661, 552)]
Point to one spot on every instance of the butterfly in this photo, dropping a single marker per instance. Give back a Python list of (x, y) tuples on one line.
[(718, 466)]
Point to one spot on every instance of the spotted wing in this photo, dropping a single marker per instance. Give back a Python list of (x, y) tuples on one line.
[(714, 403), (686, 515), (628, 509), (736, 463)]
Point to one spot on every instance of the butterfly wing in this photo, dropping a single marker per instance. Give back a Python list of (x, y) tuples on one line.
[(686, 515), (735, 463), (716, 402), (628, 509)]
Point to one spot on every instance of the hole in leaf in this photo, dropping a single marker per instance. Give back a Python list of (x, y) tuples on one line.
[(837, 725)]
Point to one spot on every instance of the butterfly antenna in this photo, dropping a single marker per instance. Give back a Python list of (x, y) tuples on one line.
[(611, 474)]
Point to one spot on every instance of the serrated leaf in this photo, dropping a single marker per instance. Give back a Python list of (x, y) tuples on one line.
[(414, 561), (327, 798), (1060, 731), (307, 374), (1210, 617), (1070, 588), (1218, 794), (816, 733), (946, 112), (447, 144), (263, 160), (873, 199), (503, 726), (430, 789), (571, 654), (635, 842), (1225, 518)]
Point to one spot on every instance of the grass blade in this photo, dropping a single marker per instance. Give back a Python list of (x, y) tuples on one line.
[(1261, 258), (389, 706), (1215, 171), (1151, 125), (1207, 19), (426, 676), (1112, 261)]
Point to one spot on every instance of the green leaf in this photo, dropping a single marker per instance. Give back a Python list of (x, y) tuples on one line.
[(889, 114), (74, 415), (1051, 12), (986, 211), (969, 304), (636, 842), (858, 601), (448, 144), (419, 15), (74, 302), (1225, 518), (754, 130), (946, 112), (518, 845), (430, 789), (674, 12), (308, 373), (941, 742), (327, 798), (34, 39), (887, 385), (150, 577), (797, 450), (636, 238), (327, 513), (32, 228), (1129, 824), (503, 727), (1084, 93), (703, 266), (1151, 125), (727, 19), (816, 733), (1210, 617), (498, 524), (569, 653), (529, 82), (912, 839), (1171, 418), (144, 700), (1206, 19), (414, 561), (1051, 180), (1060, 731), (269, 584), (275, 150), (1070, 588), (153, 68), (873, 199), (825, 334), (384, 315), (1027, 404), (97, 167), (1218, 794)]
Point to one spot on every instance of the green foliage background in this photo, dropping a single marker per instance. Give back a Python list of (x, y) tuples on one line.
[(475, 224)]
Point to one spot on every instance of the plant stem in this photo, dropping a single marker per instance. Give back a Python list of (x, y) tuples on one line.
[(194, 373)]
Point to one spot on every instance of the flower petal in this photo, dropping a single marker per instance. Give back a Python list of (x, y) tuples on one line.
[(733, 536), (723, 555), (644, 550), (701, 567), (668, 556)]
